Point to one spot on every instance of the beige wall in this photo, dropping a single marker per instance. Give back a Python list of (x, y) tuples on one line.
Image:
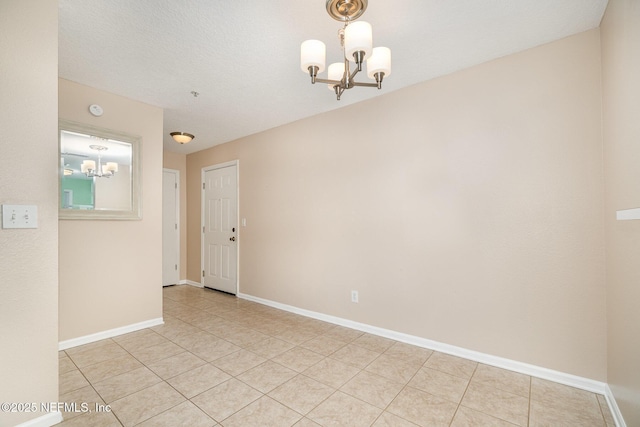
[(467, 209), (178, 162), (111, 271), (29, 261), (621, 86)]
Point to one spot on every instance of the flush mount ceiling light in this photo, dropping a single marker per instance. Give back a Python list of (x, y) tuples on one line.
[(88, 167), (356, 42), (182, 137)]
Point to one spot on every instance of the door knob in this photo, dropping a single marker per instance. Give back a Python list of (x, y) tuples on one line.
[(233, 239)]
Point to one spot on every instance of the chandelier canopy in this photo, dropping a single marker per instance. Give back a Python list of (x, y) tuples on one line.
[(356, 43)]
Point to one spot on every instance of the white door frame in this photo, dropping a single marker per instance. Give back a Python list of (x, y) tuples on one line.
[(235, 163), (177, 174)]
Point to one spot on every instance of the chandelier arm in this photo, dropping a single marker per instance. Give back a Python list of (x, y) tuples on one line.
[(356, 71), (331, 82), (365, 84)]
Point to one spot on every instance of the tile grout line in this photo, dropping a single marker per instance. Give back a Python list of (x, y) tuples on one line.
[(92, 387), (182, 308), (360, 370), (464, 394), (402, 389), (364, 370), (144, 388), (530, 400), (236, 377)]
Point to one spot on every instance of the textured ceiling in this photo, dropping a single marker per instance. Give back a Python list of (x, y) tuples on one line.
[(243, 57)]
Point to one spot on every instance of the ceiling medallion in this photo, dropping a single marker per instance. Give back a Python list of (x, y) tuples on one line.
[(346, 10)]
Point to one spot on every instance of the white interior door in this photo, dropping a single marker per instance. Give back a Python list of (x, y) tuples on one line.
[(220, 228), (170, 229)]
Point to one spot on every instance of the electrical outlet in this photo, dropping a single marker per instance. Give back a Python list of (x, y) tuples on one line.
[(354, 296)]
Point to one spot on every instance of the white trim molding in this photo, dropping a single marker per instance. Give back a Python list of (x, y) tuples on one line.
[(191, 283), (74, 342), (176, 172), (500, 362), (613, 407), (627, 214), (47, 420)]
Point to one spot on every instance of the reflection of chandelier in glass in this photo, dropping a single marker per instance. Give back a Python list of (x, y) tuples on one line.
[(107, 170)]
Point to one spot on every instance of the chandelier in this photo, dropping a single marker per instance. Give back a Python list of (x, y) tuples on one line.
[(88, 167), (356, 42)]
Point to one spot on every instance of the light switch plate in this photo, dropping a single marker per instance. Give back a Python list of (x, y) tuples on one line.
[(19, 216)]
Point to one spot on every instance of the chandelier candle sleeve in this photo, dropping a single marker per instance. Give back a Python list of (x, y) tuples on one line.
[(336, 72), (358, 37), (312, 54), (109, 168), (88, 166), (379, 64)]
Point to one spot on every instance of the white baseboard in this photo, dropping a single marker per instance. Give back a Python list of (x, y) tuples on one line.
[(74, 342), (499, 362), (191, 283), (613, 406), (47, 420)]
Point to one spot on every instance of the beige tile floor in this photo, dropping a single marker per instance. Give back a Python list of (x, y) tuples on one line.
[(219, 360)]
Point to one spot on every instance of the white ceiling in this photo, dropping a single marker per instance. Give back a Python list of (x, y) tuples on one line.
[(243, 57)]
